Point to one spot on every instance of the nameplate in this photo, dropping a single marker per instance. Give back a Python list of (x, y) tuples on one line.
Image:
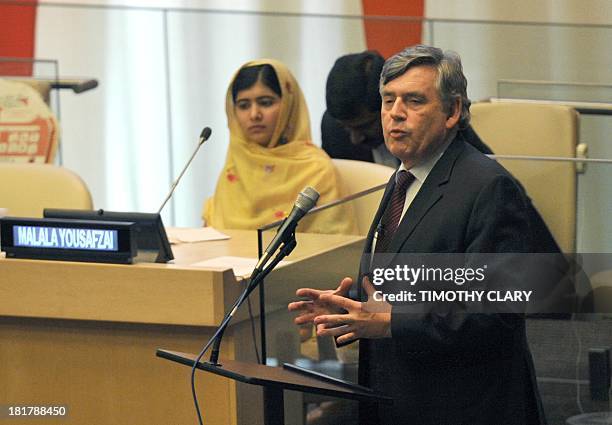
[(67, 239)]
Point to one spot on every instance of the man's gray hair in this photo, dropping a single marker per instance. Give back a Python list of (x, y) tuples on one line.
[(451, 83)]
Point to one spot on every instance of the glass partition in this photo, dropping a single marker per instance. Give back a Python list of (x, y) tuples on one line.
[(555, 90), (318, 237), (566, 352), (325, 253), (29, 130), (33, 69), (26, 67), (43, 76)]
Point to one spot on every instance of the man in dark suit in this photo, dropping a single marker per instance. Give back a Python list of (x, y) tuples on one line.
[(446, 197)]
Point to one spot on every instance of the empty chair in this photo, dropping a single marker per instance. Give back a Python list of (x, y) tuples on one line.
[(27, 189), (530, 129), (358, 176)]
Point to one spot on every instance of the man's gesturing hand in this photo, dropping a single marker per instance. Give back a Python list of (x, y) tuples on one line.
[(343, 318), (308, 310)]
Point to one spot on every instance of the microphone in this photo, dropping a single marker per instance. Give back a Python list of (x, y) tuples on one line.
[(306, 200), (204, 135)]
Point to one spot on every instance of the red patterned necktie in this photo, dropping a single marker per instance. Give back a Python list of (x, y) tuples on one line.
[(391, 216)]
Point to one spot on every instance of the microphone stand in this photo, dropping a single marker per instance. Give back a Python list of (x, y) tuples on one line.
[(254, 281), (204, 135), (178, 179)]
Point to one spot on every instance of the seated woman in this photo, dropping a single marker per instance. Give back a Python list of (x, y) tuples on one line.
[(271, 157)]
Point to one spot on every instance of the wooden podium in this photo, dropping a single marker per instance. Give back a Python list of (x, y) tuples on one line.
[(274, 381), (84, 334)]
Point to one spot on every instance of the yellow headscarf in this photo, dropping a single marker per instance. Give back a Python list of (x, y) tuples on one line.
[(258, 185)]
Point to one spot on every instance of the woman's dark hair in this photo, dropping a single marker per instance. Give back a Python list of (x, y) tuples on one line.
[(247, 77)]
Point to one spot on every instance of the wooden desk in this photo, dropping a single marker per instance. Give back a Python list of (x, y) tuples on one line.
[(84, 334)]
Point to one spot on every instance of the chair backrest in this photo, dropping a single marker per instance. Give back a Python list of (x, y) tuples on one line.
[(511, 128), (601, 284), (27, 189), (358, 176)]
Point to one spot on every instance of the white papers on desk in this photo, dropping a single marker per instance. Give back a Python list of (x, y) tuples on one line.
[(177, 235), (242, 266)]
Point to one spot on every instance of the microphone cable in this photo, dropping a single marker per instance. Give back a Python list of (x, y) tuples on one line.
[(253, 333)]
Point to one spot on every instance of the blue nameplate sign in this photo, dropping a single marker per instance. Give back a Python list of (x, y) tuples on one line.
[(67, 239)]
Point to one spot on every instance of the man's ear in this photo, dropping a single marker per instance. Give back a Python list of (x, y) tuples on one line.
[(454, 114)]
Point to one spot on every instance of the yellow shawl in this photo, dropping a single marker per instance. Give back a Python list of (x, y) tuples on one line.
[(258, 185)]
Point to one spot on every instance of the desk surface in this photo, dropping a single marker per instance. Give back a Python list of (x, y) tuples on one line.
[(115, 312), (174, 293)]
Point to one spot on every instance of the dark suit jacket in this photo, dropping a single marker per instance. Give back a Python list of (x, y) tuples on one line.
[(471, 369)]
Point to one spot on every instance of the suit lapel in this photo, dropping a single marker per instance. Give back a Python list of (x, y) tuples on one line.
[(429, 194)]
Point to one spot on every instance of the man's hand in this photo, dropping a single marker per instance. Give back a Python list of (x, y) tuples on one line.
[(343, 318), (308, 310)]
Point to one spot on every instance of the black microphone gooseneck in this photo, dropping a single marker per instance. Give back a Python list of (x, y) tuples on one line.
[(285, 235), (204, 135), (306, 200), (285, 240), (216, 338), (255, 279)]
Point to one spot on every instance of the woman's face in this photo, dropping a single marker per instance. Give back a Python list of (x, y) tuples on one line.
[(257, 109)]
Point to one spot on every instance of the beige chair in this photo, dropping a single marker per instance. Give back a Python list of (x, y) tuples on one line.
[(27, 189), (601, 293), (358, 176), (511, 128)]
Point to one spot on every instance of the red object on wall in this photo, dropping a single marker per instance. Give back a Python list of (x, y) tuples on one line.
[(389, 36), (17, 26)]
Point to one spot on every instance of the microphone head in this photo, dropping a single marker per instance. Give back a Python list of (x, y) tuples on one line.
[(307, 199), (205, 134)]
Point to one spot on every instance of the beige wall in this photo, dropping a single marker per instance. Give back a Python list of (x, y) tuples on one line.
[(567, 11)]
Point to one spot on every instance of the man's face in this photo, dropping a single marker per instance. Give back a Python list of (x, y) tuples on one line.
[(364, 128), (415, 123)]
